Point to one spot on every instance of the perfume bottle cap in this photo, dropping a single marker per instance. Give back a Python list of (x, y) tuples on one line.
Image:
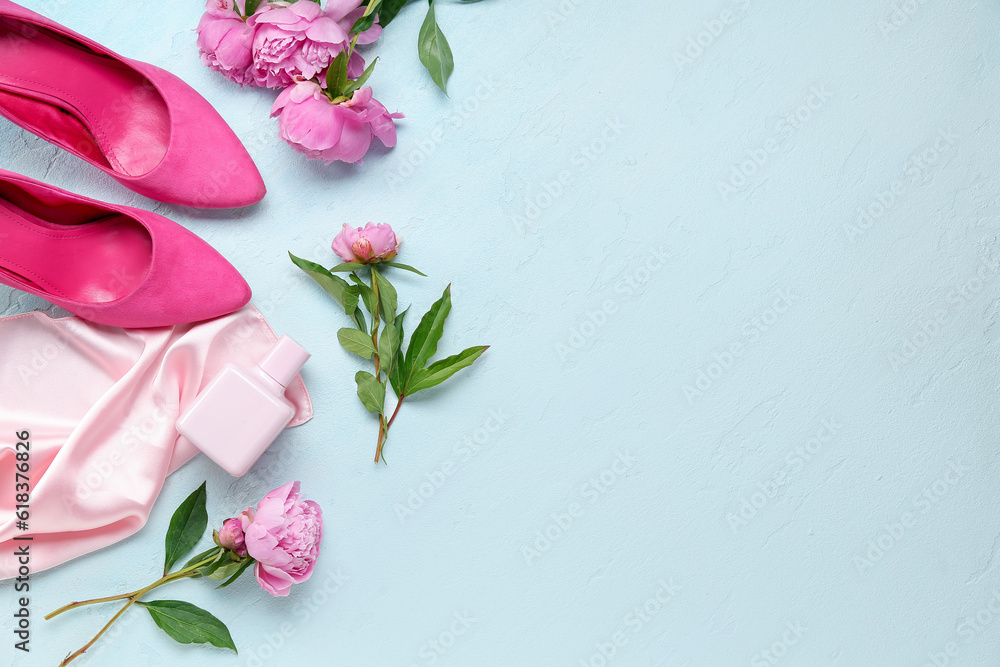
[(284, 361)]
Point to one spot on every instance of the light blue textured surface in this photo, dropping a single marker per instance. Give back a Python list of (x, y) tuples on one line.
[(761, 497)]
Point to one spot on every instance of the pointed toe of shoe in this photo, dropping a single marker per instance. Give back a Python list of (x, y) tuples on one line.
[(205, 165), (113, 265), (188, 280), (157, 135), (235, 183)]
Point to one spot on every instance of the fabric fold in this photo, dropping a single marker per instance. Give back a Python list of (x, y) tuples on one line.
[(100, 404)]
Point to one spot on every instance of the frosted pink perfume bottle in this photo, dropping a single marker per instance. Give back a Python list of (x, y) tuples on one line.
[(241, 412)]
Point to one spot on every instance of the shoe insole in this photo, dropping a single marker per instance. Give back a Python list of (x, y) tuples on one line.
[(88, 102), (96, 262)]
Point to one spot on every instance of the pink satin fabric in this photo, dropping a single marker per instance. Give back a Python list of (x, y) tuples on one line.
[(100, 404)]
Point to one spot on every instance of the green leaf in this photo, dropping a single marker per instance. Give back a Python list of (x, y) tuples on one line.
[(336, 75), (202, 556), (188, 624), (362, 24), (405, 267), (387, 12), (361, 80), (359, 320), (187, 525), (333, 285), (351, 297), (388, 348), (357, 342), (434, 51), (247, 562), (424, 341), (224, 570), (440, 371), (251, 7), (347, 267), (207, 569), (370, 391), (367, 294), (396, 375), (386, 296)]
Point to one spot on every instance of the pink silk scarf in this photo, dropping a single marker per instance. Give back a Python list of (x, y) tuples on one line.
[(100, 405)]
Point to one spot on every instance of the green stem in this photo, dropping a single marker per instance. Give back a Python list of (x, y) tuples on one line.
[(395, 412), (382, 428), (167, 578), (132, 598), (86, 647)]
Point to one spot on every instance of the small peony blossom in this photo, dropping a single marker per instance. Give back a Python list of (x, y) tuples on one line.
[(323, 130), (283, 535), (373, 243), (225, 40), (231, 537), (297, 40)]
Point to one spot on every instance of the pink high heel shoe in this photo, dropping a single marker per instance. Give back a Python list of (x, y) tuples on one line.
[(142, 125), (109, 264)]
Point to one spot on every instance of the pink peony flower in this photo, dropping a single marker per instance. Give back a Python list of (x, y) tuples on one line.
[(283, 535), (231, 536), (321, 130), (301, 40), (373, 243), (225, 41)]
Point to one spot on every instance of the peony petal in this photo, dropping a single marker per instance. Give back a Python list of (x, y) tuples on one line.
[(342, 244), (283, 99), (338, 9), (273, 580), (354, 141), (385, 129), (327, 30)]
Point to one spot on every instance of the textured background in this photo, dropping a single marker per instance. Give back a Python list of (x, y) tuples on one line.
[(766, 286)]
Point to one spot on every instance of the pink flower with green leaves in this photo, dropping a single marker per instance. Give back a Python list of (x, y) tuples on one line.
[(283, 536), (280, 538)]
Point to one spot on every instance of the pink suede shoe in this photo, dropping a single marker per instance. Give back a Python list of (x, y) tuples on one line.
[(141, 124), (109, 264)]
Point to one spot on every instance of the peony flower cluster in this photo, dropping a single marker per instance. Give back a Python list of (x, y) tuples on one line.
[(292, 46), (282, 536)]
